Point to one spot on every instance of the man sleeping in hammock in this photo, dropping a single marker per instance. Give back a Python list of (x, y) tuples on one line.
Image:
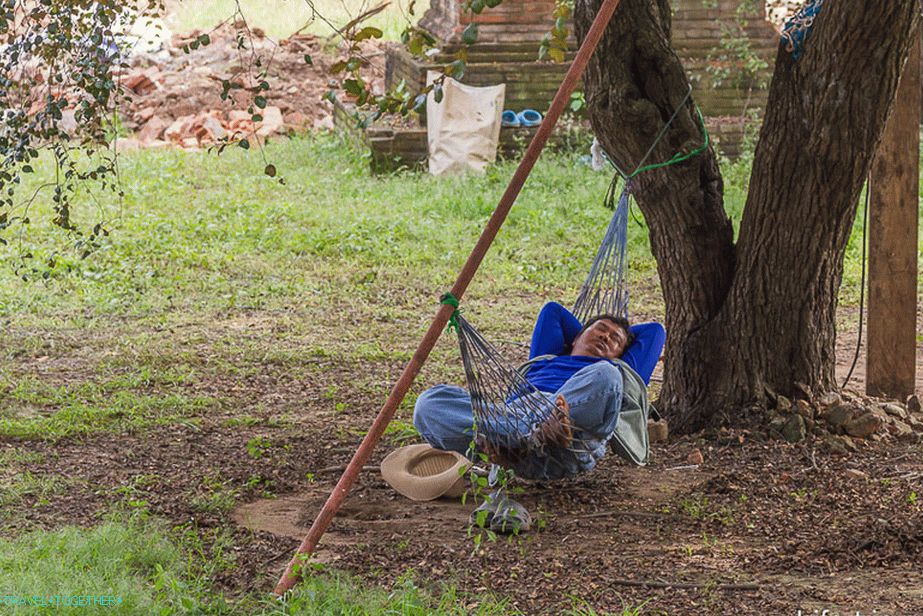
[(582, 380)]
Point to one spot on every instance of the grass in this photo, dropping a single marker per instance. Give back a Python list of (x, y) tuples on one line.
[(26, 489), (140, 570), (400, 433), (137, 565), (160, 304), (34, 409), (224, 237), (279, 18), (341, 595), (285, 300), (581, 607)]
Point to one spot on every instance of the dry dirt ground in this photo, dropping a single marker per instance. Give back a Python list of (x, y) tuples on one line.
[(761, 527)]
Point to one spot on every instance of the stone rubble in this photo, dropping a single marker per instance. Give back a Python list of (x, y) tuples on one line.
[(176, 96), (695, 457), (842, 423)]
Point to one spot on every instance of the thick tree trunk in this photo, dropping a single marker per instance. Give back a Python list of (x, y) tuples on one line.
[(759, 317)]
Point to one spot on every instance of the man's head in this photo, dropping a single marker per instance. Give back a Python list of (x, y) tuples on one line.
[(603, 336)]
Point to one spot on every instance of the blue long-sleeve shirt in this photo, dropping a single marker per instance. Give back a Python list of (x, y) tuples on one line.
[(556, 328)]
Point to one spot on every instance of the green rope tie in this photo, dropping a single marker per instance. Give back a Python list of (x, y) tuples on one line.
[(451, 300), (679, 157)]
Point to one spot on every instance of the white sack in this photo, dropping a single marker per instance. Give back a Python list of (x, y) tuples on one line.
[(463, 129)]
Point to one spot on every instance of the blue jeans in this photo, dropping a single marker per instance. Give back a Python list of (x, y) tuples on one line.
[(443, 416)]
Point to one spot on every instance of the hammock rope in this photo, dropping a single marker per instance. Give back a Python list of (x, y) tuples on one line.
[(516, 425), (451, 300), (677, 157), (604, 290), (796, 30)]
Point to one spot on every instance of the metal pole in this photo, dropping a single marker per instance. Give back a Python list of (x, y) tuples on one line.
[(335, 500)]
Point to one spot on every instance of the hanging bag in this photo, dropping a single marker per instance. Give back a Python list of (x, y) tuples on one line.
[(630, 439), (463, 129)]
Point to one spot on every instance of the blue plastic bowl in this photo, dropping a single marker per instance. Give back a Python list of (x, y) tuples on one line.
[(509, 118), (530, 117)]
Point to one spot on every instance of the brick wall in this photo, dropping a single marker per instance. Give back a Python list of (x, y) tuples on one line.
[(698, 29), (513, 21)]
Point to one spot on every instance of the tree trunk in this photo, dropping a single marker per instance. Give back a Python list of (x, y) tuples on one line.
[(758, 317)]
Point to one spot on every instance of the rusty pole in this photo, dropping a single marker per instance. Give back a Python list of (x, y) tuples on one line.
[(336, 498)]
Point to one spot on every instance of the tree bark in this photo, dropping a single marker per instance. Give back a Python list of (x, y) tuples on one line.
[(758, 317)]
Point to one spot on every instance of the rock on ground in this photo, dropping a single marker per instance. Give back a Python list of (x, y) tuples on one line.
[(176, 96)]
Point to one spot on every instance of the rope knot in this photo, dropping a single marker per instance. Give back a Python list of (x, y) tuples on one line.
[(450, 300)]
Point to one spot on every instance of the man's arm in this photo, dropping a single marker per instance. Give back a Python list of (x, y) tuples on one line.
[(645, 350), (555, 328)]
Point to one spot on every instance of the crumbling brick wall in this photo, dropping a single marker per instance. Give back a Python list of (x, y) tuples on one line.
[(513, 21)]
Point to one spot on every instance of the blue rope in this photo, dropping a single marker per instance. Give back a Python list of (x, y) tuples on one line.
[(798, 27)]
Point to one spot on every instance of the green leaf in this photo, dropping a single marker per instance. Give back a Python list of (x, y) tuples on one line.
[(456, 69), (470, 35), (259, 101), (353, 87), (543, 49), (204, 39), (308, 60), (244, 144), (337, 67), (367, 33)]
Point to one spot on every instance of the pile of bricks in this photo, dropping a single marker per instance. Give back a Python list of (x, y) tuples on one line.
[(176, 96)]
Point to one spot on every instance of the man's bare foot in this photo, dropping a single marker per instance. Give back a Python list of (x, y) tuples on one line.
[(557, 429)]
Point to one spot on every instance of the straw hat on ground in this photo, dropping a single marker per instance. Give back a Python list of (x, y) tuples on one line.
[(423, 473)]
